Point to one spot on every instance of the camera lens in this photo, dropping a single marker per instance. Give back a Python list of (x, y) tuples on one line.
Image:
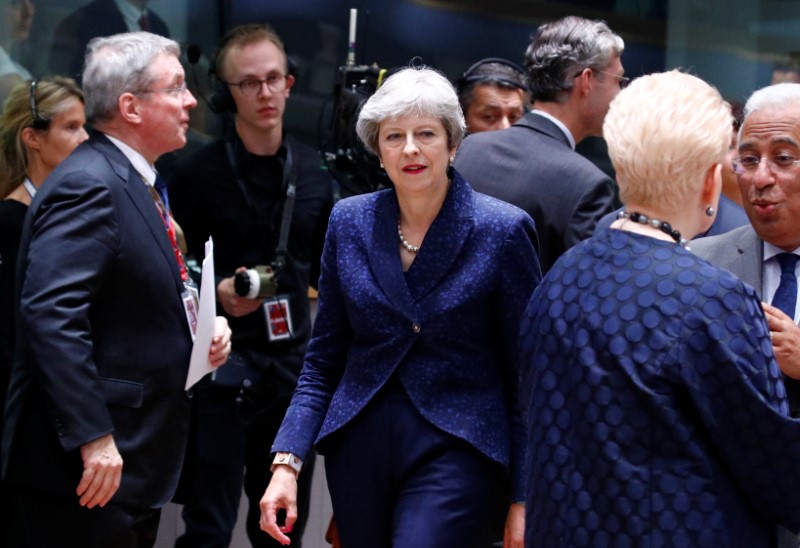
[(246, 284)]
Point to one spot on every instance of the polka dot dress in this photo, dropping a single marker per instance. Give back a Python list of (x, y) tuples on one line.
[(656, 415)]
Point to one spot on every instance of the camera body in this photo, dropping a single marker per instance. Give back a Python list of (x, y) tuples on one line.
[(355, 168), (256, 283)]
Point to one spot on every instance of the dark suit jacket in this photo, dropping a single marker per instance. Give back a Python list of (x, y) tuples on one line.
[(448, 328), (531, 165), (104, 345), (97, 18)]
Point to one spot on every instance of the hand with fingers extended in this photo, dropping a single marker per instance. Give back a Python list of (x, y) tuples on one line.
[(102, 472), (785, 336), (281, 493)]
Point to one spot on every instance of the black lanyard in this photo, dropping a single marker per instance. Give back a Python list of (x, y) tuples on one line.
[(290, 171)]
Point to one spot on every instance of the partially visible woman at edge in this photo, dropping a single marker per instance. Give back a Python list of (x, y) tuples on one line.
[(41, 124), (410, 383)]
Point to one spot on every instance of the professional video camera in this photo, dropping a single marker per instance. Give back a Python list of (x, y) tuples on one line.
[(355, 168)]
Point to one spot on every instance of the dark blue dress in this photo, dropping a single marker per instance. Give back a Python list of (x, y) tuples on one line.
[(655, 410)]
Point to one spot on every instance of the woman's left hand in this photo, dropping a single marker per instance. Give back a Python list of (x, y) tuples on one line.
[(514, 536)]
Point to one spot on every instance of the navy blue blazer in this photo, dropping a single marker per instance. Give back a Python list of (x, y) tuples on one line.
[(447, 328), (104, 345)]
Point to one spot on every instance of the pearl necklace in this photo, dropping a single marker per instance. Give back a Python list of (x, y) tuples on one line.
[(407, 246), (663, 226)]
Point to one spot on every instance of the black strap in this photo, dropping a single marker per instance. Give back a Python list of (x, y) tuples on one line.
[(290, 172)]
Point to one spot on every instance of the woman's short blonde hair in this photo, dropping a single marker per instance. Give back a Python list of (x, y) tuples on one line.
[(416, 91), (664, 132)]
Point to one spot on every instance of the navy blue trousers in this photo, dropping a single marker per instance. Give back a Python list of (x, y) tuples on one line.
[(396, 480)]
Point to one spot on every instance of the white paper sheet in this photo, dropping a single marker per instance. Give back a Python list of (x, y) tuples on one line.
[(200, 365)]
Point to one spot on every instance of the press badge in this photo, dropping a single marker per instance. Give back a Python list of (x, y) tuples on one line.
[(279, 318), (191, 305)]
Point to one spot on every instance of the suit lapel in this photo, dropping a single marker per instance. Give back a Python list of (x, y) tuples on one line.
[(137, 191), (443, 241), (384, 254), (750, 259)]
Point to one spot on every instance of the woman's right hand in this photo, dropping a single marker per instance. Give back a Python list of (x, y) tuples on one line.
[(281, 493)]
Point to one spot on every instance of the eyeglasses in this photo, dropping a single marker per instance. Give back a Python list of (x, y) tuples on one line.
[(252, 86), (748, 163), (177, 91), (622, 81)]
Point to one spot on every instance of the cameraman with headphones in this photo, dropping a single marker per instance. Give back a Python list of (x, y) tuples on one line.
[(493, 94), (265, 199)]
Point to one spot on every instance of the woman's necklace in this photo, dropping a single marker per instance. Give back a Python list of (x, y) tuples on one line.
[(407, 246), (663, 226)]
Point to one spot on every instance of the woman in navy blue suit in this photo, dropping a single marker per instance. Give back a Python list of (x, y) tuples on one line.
[(409, 386), (656, 413)]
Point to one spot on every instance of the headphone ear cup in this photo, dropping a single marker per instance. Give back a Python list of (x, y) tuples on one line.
[(221, 99)]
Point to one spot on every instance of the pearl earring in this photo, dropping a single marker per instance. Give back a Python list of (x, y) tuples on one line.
[(710, 211)]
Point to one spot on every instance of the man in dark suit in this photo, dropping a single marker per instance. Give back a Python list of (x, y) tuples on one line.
[(97, 416), (765, 253), (98, 18), (574, 71)]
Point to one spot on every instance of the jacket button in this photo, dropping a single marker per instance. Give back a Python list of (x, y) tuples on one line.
[(415, 328)]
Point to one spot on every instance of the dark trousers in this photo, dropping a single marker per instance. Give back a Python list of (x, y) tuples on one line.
[(396, 480), (47, 520), (232, 452)]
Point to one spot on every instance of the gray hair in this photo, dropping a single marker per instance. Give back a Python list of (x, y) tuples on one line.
[(120, 64), (561, 49), (777, 95), (417, 91)]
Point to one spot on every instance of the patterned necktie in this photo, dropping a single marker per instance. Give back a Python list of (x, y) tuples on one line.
[(161, 187), (159, 193), (785, 298)]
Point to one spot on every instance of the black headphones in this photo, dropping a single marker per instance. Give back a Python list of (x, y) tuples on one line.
[(38, 122), (221, 99), (468, 77)]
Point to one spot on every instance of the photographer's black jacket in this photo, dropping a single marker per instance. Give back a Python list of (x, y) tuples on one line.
[(206, 200)]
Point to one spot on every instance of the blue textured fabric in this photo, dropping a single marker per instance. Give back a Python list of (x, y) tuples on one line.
[(448, 327), (655, 411), (785, 298)]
